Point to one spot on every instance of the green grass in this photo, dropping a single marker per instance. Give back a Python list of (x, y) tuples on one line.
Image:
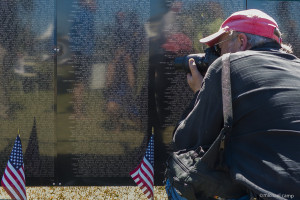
[(58, 132)]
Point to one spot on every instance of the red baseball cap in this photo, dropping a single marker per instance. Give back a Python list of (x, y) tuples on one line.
[(251, 21)]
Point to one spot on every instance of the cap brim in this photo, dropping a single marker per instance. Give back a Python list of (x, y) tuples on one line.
[(212, 39)]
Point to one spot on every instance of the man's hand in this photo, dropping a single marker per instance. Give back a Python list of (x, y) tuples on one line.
[(194, 78)]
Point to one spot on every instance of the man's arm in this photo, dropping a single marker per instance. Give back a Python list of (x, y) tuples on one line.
[(194, 80), (202, 125)]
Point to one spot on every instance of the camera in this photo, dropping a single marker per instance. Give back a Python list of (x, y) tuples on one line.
[(202, 60)]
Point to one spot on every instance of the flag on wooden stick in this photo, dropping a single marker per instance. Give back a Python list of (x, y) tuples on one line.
[(143, 175), (13, 180)]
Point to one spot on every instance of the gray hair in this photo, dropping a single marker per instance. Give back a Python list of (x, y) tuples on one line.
[(256, 40)]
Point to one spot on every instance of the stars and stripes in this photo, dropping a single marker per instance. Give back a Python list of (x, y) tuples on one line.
[(143, 175), (13, 180)]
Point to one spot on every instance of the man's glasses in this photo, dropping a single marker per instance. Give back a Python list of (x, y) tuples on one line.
[(217, 47)]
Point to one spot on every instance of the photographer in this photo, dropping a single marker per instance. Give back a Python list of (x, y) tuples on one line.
[(262, 153)]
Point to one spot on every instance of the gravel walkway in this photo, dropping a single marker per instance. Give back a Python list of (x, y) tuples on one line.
[(78, 193)]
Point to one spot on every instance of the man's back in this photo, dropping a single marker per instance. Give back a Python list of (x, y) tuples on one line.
[(263, 152)]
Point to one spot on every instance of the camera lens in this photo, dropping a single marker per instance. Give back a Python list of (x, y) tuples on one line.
[(179, 63), (202, 60)]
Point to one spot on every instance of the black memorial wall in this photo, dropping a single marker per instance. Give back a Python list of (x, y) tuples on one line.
[(86, 81)]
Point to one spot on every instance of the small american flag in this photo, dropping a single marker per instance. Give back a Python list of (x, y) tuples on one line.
[(13, 180), (143, 175)]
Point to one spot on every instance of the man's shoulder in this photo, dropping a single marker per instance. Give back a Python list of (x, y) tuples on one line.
[(256, 58), (274, 54), (238, 57), (249, 54)]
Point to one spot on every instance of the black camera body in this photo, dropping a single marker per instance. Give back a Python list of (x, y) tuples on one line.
[(202, 60)]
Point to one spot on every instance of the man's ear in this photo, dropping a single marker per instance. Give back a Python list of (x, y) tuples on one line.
[(243, 42)]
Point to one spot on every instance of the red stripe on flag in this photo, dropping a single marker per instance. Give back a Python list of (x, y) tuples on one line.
[(22, 174), (143, 175), (13, 179), (10, 186), (144, 184), (148, 174), (149, 183), (149, 167), (6, 189), (150, 195), (17, 181)]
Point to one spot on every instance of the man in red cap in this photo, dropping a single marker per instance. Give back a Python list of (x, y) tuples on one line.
[(263, 151)]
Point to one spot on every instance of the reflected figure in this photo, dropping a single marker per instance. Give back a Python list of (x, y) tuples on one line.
[(120, 83), (121, 71), (8, 49), (3, 97), (13, 36), (82, 37)]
